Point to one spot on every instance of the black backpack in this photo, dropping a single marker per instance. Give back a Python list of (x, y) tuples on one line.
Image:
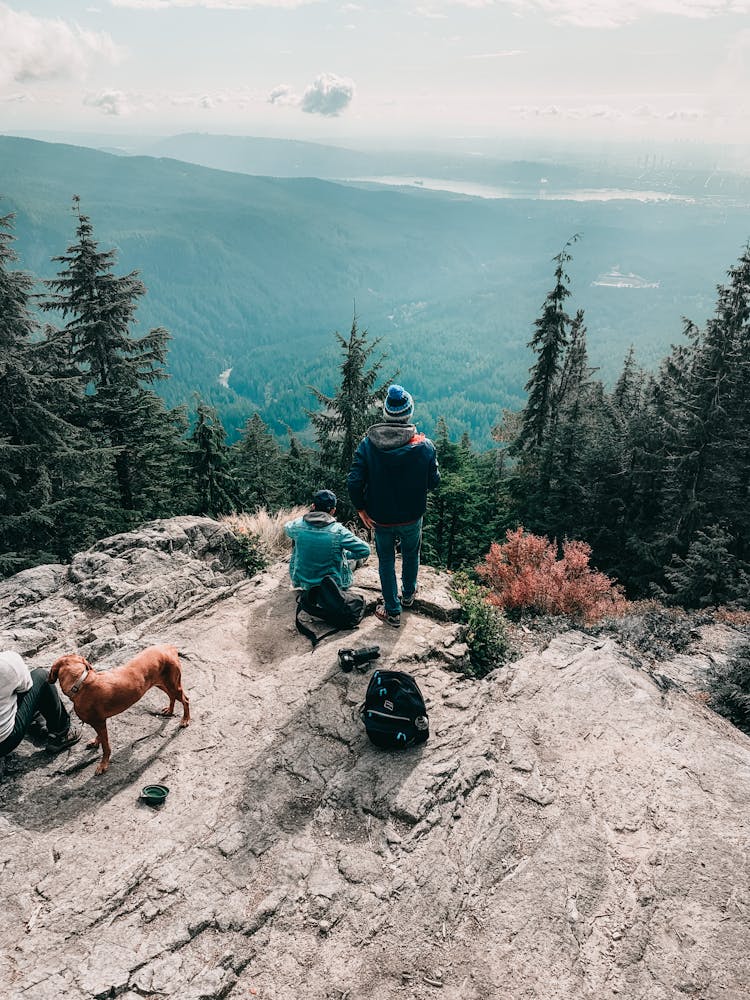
[(394, 712), (332, 605)]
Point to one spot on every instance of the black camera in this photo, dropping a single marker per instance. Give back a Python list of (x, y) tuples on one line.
[(359, 658)]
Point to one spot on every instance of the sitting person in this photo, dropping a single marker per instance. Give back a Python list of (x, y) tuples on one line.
[(23, 694), (323, 546)]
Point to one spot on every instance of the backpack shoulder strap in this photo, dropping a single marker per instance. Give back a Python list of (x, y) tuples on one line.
[(308, 632)]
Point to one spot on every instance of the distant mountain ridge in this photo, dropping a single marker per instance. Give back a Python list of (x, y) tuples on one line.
[(253, 273)]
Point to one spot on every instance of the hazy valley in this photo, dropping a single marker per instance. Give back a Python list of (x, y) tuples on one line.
[(251, 274)]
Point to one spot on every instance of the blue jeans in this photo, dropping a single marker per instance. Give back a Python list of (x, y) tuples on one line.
[(385, 544)]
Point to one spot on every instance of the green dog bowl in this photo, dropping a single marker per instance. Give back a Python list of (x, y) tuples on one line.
[(154, 795)]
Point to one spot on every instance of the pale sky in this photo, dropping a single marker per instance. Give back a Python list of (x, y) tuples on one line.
[(312, 69)]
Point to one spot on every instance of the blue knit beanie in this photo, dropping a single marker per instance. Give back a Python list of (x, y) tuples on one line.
[(399, 405)]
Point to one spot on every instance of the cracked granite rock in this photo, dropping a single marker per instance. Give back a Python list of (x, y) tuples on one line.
[(572, 829)]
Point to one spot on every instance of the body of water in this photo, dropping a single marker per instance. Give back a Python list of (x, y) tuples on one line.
[(540, 193)]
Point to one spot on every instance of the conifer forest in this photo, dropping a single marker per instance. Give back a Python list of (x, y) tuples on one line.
[(652, 472)]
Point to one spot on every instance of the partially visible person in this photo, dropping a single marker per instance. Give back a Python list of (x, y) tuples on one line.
[(23, 694), (392, 471), (323, 546)]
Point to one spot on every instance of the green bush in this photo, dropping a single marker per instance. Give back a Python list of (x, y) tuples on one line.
[(729, 688), (250, 553), (485, 628)]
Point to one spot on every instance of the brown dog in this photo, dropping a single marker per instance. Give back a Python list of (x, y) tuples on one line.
[(98, 695)]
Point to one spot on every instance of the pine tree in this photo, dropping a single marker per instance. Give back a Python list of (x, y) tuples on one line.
[(209, 458), (345, 416), (40, 449), (711, 475), (548, 343), (626, 394), (560, 492), (710, 574), (127, 417), (256, 464), (467, 511), (300, 476)]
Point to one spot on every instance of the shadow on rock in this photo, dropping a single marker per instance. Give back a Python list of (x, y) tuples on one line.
[(321, 766), (61, 800)]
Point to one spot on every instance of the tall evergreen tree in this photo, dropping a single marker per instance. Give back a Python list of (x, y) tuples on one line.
[(256, 464), (121, 409), (561, 493), (300, 475), (711, 474), (341, 423), (548, 343), (41, 451), (209, 458)]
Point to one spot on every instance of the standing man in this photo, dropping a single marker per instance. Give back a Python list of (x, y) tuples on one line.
[(392, 470), (323, 546)]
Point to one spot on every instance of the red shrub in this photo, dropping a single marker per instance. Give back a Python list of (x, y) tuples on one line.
[(524, 572)]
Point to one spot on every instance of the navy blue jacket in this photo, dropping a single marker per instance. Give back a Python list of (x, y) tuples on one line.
[(392, 470)]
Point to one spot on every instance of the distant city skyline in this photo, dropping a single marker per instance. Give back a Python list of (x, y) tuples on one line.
[(323, 71)]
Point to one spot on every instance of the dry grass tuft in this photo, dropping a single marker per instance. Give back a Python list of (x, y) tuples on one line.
[(268, 528)]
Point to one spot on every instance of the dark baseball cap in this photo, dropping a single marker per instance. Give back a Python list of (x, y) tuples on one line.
[(324, 500)]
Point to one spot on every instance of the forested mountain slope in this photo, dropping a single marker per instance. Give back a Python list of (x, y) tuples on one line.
[(254, 273)]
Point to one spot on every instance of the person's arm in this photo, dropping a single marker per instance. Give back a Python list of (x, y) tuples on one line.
[(355, 547), (291, 529), (21, 671), (356, 481), (433, 472)]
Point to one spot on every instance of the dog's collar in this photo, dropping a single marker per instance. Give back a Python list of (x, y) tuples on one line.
[(79, 683)]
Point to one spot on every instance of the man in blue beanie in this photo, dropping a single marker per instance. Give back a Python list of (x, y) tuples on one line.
[(392, 470), (323, 546)]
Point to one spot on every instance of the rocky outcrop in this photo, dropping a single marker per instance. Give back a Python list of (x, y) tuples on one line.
[(573, 828)]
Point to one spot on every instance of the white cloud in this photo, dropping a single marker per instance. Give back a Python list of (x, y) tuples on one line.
[(615, 13), (209, 4), (39, 48), (503, 54), (110, 102), (327, 95), (431, 12), (605, 112), (18, 98), (602, 13), (283, 94)]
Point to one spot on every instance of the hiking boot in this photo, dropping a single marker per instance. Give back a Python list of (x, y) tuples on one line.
[(63, 741), (406, 602), (388, 619), (38, 728)]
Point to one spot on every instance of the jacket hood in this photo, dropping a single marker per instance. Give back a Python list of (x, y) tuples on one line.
[(390, 436), (318, 518)]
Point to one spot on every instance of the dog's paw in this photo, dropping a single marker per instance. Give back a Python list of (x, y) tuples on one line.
[(93, 745), (166, 711), (102, 768), (184, 723)]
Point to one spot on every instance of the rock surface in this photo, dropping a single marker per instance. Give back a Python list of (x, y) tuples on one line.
[(573, 828)]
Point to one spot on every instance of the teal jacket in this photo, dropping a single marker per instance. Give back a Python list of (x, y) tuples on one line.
[(322, 547)]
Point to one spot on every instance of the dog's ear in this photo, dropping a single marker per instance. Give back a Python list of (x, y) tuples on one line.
[(55, 670)]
